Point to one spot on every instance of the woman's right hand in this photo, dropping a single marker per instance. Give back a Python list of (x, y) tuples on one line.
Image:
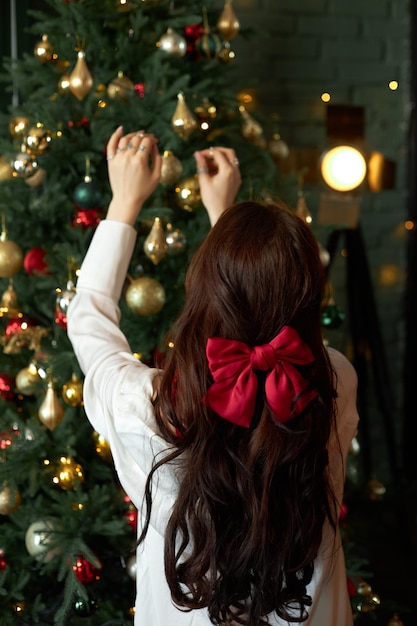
[(219, 179)]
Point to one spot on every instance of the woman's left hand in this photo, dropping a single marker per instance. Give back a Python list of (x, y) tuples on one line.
[(134, 166)]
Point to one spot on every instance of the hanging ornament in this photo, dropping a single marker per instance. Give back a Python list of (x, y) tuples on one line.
[(191, 34), (376, 489), (51, 412), (72, 391), (301, 209), (44, 50), (171, 169), (226, 54), (28, 380), (86, 218), (145, 296), (80, 79), (7, 387), (102, 446), (187, 193), (39, 540), (64, 84), (18, 326), (175, 239), (331, 316), (131, 567), (38, 139), (24, 164), (9, 304), (207, 45), (18, 126), (120, 87), (205, 111), (155, 246), (172, 43), (68, 473), (10, 500), (251, 129), (85, 571), (34, 262), (6, 169), (87, 194), (3, 560), (64, 297), (367, 600), (36, 179), (278, 148), (131, 515), (140, 90), (11, 256), (85, 606), (183, 121), (228, 24)]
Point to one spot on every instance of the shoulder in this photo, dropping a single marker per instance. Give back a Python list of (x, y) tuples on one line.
[(343, 369), (346, 383)]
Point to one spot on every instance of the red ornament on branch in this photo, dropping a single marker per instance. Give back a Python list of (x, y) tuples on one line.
[(7, 387), (191, 34), (34, 262), (85, 571), (140, 90), (86, 218)]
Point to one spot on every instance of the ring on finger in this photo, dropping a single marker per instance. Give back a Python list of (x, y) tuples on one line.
[(142, 148), (129, 146), (235, 161), (110, 157), (203, 169), (120, 149)]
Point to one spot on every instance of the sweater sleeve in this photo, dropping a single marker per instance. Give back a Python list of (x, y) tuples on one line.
[(118, 388)]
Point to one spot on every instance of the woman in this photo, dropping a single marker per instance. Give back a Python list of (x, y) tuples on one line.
[(235, 453)]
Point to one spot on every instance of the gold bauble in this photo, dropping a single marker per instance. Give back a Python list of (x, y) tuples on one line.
[(228, 25), (24, 165), (171, 169), (302, 209), (11, 257), (205, 110), (278, 148), (18, 126), (102, 446), (28, 380), (364, 588), (376, 489), (226, 54), (183, 121), (36, 180), (120, 87), (64, 83), (145, 296), (9, 500), (51, 412), (72, 391), (187, 193), (44, 50), (38, 139), (80, 78), (6, 170), (175, 239), (68, 473), (155, 246), (251, 129), (39, 540), (9, 306)]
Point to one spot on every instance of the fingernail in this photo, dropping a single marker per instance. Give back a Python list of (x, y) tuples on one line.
[(197, 153)]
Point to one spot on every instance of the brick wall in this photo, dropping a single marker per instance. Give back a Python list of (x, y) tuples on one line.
[(350, 50)]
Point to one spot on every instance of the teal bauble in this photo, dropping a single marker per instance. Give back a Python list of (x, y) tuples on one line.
[(208, 46), (87, 195)]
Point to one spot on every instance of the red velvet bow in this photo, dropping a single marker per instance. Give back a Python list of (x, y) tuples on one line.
[(233, 364)]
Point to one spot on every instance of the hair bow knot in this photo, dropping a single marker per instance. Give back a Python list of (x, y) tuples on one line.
[(233, 365)]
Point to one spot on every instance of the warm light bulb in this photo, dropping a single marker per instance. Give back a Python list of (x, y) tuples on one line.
[(393, 85), (343, 168), (326, 97)]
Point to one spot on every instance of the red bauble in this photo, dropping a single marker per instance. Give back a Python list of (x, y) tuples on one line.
[(18, 325), (3, 563), (351, 587), (6, 440), (140, 90), (191, 34), (85, 571), (83, 122), (61, 319), (86, 218), (7, 386), (132, 517), (34, 261)]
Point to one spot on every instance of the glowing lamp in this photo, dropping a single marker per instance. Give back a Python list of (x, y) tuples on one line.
[(343, 168)]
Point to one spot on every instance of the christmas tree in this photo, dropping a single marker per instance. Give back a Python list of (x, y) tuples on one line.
[(67, 529)]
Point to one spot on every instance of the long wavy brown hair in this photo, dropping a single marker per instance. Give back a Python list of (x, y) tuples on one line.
[(247, 523)]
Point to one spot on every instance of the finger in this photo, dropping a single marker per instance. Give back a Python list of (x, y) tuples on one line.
[(113, 141), (146, 144), (124, 141), (156, 163), (201, 163)]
